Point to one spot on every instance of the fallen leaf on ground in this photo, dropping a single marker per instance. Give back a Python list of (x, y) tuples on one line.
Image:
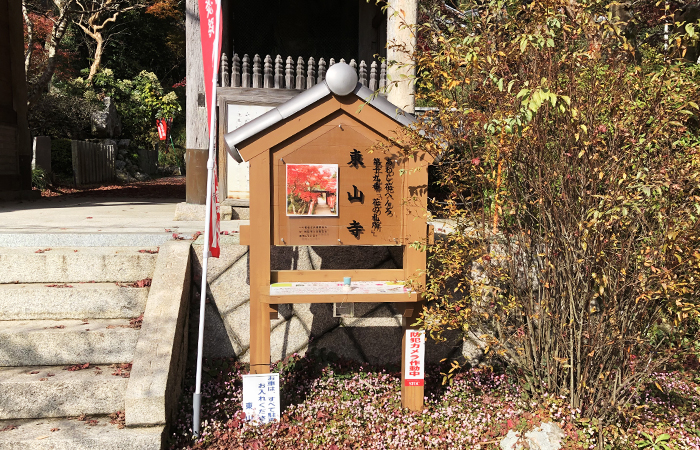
[(118, 419), (77, 367), (146, 282)]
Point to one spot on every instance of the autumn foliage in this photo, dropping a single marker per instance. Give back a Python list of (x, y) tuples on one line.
[(570, 177)]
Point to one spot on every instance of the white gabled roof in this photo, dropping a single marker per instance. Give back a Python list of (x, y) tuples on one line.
[(341, 80)]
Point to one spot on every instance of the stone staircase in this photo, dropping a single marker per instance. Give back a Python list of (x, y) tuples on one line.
[(70, 321)]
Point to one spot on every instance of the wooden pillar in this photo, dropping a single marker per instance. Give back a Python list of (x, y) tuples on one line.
[(415, 214), (260, 205), (197, 136)]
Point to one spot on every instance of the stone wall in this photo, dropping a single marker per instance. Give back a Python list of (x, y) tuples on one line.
[(373, 335)]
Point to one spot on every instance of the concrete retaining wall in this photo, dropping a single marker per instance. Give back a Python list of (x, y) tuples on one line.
[(373, 335)]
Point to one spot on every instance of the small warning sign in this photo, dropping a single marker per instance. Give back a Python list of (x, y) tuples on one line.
[(415, 358)]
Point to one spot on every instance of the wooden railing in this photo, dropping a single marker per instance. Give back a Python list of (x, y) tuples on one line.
[(279, 74)]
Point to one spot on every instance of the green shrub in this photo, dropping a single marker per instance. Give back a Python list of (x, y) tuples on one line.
[(40, 179), (62, 158)]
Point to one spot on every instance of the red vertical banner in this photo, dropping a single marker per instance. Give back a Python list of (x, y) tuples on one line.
[(162, 126), (209, 26), (214, 247), (210, 32)]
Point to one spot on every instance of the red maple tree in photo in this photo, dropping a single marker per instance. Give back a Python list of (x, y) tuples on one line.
[(306, 183)]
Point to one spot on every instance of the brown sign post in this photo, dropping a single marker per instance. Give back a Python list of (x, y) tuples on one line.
[(314, 181)]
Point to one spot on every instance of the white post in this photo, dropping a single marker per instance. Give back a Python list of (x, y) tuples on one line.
[(197, 397)]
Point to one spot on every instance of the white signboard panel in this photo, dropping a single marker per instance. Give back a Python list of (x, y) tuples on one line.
[(415, 358), (237, 173), (261, 397)]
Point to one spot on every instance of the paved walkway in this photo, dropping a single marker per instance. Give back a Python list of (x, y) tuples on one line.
[(62, 221)]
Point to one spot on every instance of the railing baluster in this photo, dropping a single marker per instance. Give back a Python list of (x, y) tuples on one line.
[(289, 73), (268, 82), (257, 72), (301, 81), (311, 73), (236, 71), (245, 75), (321, 71), (224, 70), (373, 76), (279, 77), (363, 73), (382, 78)]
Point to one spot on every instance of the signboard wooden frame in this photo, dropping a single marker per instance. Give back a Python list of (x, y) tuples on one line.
[(331, 131)]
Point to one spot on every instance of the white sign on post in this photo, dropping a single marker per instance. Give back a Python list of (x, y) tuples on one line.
[(261, 397), (415, 358)]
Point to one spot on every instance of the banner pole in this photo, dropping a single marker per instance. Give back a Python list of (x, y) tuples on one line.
[(197, 396)]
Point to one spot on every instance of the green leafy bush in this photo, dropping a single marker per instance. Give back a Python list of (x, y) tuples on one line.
[(59, 114), (62, 158), (139, 102), (40, 179)]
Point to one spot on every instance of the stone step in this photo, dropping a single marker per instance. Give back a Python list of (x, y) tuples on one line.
[(58, 342), (53, 391), (73, 434), (71, 301), (75, 264)]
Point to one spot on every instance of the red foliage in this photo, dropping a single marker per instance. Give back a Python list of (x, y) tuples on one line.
[(306, 181), (42, 27), (164, 9)]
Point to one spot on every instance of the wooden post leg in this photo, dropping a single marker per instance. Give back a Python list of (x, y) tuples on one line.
[(259, 336), (411, 396)]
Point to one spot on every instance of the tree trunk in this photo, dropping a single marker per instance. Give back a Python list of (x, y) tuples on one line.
[(99, 50), (30, 38)]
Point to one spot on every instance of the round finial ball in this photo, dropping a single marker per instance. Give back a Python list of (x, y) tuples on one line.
[(341, 79)]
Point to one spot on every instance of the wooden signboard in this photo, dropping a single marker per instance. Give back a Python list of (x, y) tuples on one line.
[(315, 181)]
